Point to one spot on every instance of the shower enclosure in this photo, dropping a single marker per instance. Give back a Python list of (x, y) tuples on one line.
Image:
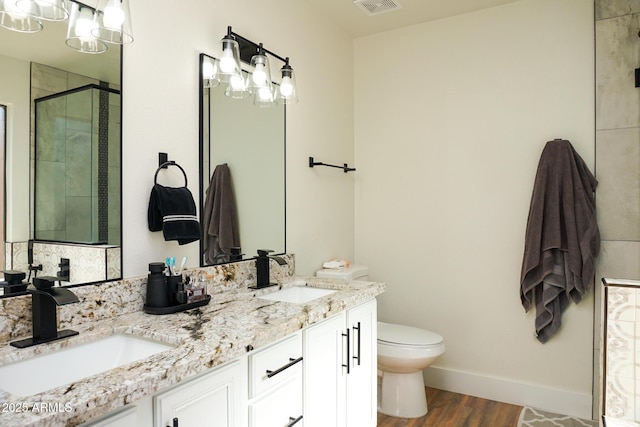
[(77, 166)]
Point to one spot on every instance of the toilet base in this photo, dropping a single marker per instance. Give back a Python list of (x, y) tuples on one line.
[(403, 395)]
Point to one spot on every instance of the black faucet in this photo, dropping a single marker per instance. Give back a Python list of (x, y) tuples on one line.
[(44, 300), (262, 268)]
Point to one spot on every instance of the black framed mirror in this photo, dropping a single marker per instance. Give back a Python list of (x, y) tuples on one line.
[(248, 144), (41, 66)]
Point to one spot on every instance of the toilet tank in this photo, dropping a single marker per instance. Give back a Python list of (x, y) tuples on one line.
[(353, 272)]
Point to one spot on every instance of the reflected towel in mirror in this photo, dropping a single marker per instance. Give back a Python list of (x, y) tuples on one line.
[(220, 219)]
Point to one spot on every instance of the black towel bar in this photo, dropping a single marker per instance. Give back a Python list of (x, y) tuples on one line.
[(345, 167), (167, 164)]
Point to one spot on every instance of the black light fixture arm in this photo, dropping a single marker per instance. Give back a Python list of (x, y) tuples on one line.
[(240, 39)]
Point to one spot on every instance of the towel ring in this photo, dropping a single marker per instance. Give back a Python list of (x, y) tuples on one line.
[(170, 163)]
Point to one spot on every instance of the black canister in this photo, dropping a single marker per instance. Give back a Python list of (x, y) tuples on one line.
[(172, 287), (157, 286)]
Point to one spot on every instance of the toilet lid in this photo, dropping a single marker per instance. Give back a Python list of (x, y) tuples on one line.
[(407, 335)]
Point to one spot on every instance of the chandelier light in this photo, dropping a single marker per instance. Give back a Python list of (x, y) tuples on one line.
[(89, 28)]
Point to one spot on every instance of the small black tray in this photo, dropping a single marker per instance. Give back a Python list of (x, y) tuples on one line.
[(177, 308)]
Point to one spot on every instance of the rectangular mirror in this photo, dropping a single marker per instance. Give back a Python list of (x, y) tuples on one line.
[(250, 141), (37, 66)]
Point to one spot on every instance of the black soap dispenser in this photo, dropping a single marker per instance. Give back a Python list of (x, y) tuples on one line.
[(156, 286)]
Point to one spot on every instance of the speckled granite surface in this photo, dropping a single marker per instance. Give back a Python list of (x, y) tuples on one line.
[(235, 320)]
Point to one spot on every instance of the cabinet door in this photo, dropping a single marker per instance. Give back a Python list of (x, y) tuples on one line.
[(212, 400), (362, 379), (324, 350), (124, 418)]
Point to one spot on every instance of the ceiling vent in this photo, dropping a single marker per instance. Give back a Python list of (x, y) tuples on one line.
[(375, 7)]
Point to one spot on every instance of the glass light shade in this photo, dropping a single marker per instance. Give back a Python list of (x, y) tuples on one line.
[(210, 76), (237, 88), (79, 33), (50, 10), (261, 76), (229, 66), (114, 22), (264, 97), (287, 92), (15, 19)]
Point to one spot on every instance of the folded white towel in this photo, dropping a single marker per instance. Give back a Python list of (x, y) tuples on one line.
[(335, 264)]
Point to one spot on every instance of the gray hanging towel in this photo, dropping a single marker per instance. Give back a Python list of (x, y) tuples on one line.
[(562, 238), (220, 220)]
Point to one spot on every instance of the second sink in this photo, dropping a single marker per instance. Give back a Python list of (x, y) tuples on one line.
[(297, 294), (45, 372)]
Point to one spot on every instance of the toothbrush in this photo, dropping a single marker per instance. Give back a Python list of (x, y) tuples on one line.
[(184, 261)]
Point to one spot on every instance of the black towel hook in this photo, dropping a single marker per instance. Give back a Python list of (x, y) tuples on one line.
[(167, 164)]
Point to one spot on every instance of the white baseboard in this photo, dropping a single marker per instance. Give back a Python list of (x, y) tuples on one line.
[(509, 391)]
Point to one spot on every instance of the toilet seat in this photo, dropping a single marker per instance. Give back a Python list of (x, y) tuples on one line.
[(407, 336)]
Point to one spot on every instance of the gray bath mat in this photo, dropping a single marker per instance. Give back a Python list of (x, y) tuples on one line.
[(530, 417)]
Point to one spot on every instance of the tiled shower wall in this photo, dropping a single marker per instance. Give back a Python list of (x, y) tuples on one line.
[(71, 183), (617, 23)]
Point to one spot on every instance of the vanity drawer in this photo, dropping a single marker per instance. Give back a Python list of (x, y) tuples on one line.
[(275, 364), (282, 406)]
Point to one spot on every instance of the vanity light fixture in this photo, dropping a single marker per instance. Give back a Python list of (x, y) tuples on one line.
[(82, 22), (288, 92), (89, 29), (257, 82), (49, 10), (229, 67), (16, 19), (116, 22), (210, 75)]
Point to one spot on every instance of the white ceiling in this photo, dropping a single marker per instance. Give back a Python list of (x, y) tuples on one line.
[(357, 23)]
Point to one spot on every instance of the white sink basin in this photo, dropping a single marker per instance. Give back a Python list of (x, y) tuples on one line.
[(51, 370), (297, 294)]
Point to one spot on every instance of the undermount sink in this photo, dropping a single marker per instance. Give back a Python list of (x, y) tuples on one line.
[(51, 370), (297, 294)]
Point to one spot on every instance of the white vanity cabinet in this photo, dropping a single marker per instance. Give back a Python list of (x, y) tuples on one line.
[(324, 376), (215, 399), (340, 369), (127, 417), (275, 384)]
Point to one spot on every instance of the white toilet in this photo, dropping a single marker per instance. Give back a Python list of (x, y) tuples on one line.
[(403, 352)]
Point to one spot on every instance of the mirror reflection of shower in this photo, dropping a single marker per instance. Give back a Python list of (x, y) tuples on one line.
[(77, 166)]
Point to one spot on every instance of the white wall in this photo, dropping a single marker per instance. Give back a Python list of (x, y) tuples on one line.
[(160, 107), (450, 120), (14, 93)]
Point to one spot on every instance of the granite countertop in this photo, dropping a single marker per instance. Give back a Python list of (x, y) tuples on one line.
[(233, 323)]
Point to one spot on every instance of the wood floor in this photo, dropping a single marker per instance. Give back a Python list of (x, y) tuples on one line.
[(448, 409)]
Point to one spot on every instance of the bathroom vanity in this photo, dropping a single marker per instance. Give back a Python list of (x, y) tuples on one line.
[(242, 360)]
